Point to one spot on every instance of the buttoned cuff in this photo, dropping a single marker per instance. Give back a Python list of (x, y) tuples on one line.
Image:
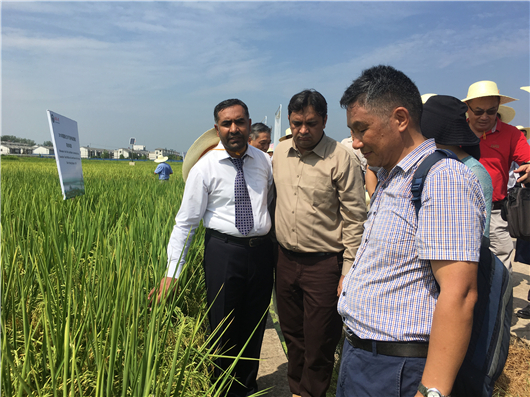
[(174, 270), (346, 266)]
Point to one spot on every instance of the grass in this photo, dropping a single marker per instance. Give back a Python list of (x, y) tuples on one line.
[(75, 318), (515, 379)]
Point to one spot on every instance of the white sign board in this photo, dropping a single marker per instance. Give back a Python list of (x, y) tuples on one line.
[(65, 140)]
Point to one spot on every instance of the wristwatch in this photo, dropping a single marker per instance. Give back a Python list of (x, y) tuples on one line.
[(431, 392)]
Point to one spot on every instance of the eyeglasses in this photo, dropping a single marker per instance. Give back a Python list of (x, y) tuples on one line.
[(480, 112)]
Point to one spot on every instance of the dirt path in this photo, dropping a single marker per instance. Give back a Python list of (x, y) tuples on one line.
[(273, 367)]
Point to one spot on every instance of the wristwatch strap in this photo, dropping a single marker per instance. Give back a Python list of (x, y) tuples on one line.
[(424, 391)]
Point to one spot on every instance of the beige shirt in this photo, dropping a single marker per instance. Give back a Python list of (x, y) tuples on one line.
[(320, 203), (348, 143)]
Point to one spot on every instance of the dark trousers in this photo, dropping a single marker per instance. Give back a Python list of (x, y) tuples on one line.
[(238, 287), (365, 374), (306, 289)]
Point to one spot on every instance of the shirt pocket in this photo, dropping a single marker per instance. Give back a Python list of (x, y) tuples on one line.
[(321, 192)]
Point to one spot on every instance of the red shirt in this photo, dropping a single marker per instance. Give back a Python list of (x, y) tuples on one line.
[(498, 148)]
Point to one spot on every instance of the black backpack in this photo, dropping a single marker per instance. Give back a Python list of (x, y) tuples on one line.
[(516, 211), (490, 336)]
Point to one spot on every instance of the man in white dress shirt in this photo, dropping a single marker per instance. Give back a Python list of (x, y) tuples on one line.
[(238, 254)]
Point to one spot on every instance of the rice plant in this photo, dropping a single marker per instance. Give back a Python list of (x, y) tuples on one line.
[(75, 318)]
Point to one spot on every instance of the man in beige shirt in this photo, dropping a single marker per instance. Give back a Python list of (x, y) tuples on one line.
[(320, 211)]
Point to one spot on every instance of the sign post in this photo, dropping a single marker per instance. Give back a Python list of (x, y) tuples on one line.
[(65, 140), (277, 131)]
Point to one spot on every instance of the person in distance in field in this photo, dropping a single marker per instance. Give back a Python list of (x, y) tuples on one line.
[(163, 169)]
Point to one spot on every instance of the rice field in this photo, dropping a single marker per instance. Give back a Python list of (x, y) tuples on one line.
[(76, 274)]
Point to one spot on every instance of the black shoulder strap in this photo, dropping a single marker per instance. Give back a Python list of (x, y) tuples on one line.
[(421, 173)]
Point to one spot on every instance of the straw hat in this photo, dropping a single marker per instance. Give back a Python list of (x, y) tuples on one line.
[(507, 113), (200, 147), (486, 88), (526, 129), (161, 159), (526, 88), (444, 119), (288, 135), (425, 97)]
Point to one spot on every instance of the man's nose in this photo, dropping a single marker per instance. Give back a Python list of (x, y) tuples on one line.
[(233, 127), (356, 143), (304, 129)]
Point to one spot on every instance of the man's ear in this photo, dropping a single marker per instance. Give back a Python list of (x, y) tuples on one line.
[(401, 118), (216, 129), (325, 121)]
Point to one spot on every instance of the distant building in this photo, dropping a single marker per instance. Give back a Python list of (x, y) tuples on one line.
[(15, 148), (122, 151), (162, 152), (90, 152), (142, 153), (46, 150)]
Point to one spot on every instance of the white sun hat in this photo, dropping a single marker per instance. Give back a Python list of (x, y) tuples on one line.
[(161, 159), (486, 88), (507, 113), (288, 134), (425, 97), (200, 147)]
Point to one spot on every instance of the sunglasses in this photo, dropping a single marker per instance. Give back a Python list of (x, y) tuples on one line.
[(480, 112)]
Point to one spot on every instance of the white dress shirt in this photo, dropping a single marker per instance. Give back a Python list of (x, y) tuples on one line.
[(209, 195)]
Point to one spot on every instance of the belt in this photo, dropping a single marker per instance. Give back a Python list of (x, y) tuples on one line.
[(497, 205), (396, 349), (245, 241), (307, 254)]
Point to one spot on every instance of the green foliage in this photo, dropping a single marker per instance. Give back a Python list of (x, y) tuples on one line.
[(8, 157), (13, 138), (75, 278), (47, 143)]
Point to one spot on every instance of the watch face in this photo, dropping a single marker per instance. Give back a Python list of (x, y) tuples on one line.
[(433, 393)]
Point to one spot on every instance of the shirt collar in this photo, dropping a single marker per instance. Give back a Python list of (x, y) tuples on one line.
[(416, 155), (225, 154), (319, 149)]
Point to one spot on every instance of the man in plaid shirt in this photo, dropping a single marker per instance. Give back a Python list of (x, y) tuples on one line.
[(407, 303)]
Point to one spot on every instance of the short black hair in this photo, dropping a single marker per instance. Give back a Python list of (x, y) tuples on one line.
[(256, 128), (227, 103), (308, 98), (381, 89)]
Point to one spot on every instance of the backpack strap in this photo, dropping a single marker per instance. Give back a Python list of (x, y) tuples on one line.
[(418, 180)]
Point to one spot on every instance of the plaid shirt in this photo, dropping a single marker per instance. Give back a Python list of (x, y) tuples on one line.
[(390, 293)]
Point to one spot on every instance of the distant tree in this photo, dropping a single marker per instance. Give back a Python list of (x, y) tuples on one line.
[(47, 143), (105, 154), (122, 156), (13, 138)]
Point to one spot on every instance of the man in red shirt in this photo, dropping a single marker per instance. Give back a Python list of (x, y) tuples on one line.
[(500, 144)]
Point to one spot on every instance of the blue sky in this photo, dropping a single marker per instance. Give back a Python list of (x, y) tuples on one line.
[(156, 70)]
